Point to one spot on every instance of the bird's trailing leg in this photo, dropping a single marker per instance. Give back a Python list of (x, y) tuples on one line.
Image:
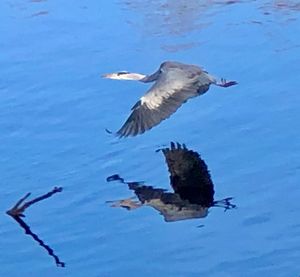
[(226, 84), (224, 203)]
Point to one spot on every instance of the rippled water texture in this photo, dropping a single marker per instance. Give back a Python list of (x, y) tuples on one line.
[(55, 108)]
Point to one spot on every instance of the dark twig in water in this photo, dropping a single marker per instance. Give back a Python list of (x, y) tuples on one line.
[(37, 239), (17, 211)]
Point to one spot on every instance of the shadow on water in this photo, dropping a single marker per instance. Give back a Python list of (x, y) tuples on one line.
[(190, 179), (17, 212)]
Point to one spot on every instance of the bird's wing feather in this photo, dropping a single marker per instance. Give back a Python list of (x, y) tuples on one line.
[(163, 99), (189, 175)]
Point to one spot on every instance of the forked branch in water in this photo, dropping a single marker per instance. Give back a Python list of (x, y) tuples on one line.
[(17, 212)]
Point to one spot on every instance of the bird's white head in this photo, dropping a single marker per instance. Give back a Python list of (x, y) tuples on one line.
[(124, 75)]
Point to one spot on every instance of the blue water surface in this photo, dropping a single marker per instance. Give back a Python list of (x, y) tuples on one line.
[(55, 108)]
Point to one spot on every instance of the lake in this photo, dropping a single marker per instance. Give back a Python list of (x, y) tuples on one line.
[(55, 108)]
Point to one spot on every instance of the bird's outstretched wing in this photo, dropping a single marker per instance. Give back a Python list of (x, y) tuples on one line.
[(172, 88), (189, 175)]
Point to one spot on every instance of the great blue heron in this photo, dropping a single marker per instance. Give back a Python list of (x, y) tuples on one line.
[(193, 188), (174, 84)]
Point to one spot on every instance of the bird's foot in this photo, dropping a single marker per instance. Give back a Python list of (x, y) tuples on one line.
[(226, 84), (224, 203)]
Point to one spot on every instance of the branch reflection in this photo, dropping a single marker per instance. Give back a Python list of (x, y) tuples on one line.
[(17, 212)]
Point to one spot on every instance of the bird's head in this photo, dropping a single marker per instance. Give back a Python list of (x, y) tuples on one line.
[(124, 75)]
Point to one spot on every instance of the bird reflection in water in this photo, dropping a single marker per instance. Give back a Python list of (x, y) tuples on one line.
[(17, 212), (190, 179)]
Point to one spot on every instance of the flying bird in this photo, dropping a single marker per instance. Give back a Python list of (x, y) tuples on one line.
[(175, 83), (190, 179)]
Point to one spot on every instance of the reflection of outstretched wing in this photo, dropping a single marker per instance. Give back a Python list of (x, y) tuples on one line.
[(170, 205), (189, 175)]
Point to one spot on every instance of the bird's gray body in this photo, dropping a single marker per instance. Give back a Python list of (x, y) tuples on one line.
[(175, 83)]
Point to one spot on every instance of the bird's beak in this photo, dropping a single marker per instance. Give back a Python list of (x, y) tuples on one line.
[(114, 76), (107, 75)]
